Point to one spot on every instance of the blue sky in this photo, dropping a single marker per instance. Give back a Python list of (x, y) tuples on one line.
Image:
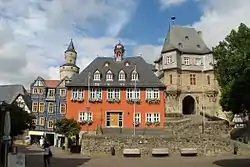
[(35, 33)]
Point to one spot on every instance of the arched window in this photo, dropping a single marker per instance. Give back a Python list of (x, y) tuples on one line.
[(97, 76), (122, 76), (134, 76), (109, 76)]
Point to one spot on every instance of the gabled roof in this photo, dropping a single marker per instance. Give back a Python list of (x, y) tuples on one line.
[(51, 83), (185, 39), (9, 93), (146, 76)]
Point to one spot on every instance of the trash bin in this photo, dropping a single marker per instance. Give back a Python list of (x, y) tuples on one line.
[(112, 151)]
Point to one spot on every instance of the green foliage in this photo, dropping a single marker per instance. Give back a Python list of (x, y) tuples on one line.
[(232, 58), (20, 119), (67, 127)]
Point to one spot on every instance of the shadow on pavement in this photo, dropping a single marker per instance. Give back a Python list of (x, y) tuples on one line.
[(37, 161), (34, 158), (237, 162)]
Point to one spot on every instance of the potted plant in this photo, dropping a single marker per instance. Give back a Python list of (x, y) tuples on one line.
[(89, 122), (80, 99), (136, 123), (82, 122), (157, 123), (148, 123)]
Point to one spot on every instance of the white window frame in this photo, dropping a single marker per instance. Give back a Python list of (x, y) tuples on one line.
[(134, 76), (198, 61), (63, 94), (85, 116), (113, 93), (80, 93), (109, 76), (74, 94), (35, 91), (97, 76), (52, 124), (152, 93), (187, 61), (168, 60), (131, 93), (61, 108), (153, 117), (122, 76), (137, 117), (49, 105), (95, 93), (51, 93)]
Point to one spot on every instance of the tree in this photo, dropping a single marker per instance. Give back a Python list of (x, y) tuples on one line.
[(232, 57), (20, 119), (67, 127)]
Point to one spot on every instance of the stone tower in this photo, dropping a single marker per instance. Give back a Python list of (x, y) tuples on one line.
[(69, 68), (185, 66)]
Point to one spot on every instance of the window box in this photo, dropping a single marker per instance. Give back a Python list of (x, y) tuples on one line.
[(95, 100), (90, 122), (153, 100), (136, 123), (80, 99), (114, 100), (149, 123), (157, 123), (73, 99), (83, 122), (131, 101)]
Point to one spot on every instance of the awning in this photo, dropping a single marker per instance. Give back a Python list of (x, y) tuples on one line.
[(36, 133)]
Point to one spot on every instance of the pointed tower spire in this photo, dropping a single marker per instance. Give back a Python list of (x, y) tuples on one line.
[(71, 47)]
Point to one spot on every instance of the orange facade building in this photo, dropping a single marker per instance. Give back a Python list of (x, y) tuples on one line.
[(116, 93)]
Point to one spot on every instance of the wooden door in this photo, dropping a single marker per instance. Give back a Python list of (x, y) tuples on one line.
[(114, 119)]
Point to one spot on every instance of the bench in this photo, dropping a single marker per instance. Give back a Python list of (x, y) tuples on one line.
[(131, 152), (189, 152), (160, 152)]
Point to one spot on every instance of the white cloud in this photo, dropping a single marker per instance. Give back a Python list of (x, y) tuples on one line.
[(220, 17), (34, 34), (168, 3), (148, 52)]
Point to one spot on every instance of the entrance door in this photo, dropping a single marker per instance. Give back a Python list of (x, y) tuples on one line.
[(114, 119)]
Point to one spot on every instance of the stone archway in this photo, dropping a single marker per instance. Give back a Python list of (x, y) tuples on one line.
[(188, 105)]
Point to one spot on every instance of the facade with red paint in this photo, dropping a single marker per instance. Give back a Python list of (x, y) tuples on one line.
[(116, 93)]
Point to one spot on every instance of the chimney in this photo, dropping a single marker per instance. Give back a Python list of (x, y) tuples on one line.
[(200, 34)]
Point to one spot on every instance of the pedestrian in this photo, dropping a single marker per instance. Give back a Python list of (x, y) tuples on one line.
[(41, 142), (236, 149), (47, 154)]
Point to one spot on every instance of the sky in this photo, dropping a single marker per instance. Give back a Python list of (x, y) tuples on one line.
[(35, 33)]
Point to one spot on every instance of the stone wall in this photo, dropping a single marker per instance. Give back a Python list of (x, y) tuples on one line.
[(210, 143)]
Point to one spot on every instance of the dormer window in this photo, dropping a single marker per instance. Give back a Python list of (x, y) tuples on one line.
[(134, 76), (106, 64), (97, 76), (127, 64), (109, 76), (122, 76)]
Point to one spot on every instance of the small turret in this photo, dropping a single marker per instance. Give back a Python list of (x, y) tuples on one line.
[(118, 52)]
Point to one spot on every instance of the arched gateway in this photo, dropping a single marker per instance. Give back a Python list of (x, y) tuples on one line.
[(188, 105)]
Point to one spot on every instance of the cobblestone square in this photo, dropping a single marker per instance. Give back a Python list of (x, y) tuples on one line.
[(62, 158)]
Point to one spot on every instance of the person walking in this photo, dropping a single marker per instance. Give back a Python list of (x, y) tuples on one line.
[(47, 154)]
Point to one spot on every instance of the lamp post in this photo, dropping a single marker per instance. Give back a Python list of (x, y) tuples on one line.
[(134, 102), (5, 131)]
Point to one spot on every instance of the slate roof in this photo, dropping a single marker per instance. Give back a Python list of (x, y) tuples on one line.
[(9, 93), (146, 76), (186, 40), (71, 47)]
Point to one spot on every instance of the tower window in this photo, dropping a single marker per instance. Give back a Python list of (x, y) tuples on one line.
[(97, 76), (186, 37), (208, 80), (109, 76), (170, 79), (122, 76), (192, 79), (187, 61)]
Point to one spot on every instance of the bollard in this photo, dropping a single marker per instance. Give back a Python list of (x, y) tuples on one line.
[(14, 150), (112, 151)]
